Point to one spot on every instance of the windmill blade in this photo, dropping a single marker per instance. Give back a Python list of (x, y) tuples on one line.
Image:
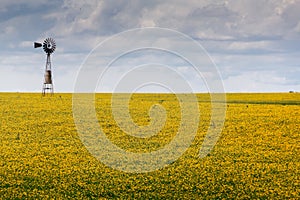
[(37, 45)]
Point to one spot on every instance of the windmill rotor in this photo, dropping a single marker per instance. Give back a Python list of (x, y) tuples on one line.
[(49, 45)]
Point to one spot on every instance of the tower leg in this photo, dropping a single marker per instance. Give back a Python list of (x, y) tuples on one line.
[(47, 88)]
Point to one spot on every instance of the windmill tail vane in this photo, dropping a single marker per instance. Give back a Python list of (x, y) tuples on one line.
[(49, 47)]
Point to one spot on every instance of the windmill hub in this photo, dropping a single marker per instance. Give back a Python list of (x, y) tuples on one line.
[(49, 45)]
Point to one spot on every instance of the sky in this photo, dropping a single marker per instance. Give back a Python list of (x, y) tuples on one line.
[(254, 44)]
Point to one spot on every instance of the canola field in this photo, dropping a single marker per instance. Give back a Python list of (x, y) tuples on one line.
[(256, 156)]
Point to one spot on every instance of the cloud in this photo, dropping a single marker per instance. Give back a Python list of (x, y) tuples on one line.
[(262, 81), (242, 37)]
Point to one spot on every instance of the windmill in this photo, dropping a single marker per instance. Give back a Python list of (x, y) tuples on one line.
[(49, 47)]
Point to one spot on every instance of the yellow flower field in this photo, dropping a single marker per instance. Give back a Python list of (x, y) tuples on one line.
[(256, 156)]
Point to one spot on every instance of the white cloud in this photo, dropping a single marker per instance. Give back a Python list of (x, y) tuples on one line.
[(256, 45), (262, 81), (241, 36)]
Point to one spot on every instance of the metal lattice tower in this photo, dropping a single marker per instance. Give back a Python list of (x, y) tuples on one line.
[(48, 83)]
